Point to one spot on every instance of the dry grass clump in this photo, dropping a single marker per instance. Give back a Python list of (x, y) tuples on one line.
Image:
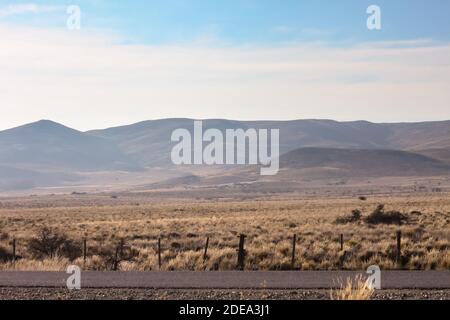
[(353, 289)]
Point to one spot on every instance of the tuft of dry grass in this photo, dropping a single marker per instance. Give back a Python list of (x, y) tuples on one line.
[(353, 289), (50, 264)]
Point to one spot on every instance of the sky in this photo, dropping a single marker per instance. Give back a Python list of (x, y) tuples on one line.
[(247, 60)]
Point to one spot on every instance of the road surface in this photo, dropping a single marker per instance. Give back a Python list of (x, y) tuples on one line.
[(225, 280)]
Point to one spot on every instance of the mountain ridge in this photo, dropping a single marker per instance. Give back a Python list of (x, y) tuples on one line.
[(49, 144), (293, 135), (48, 151)]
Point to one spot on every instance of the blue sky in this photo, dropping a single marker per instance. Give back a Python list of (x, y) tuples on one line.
[(252, 21), (250, 59)]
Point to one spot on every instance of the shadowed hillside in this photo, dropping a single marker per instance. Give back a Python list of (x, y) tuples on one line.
[(438, 154), (24, 179), (356, 162), (323, 163), (49, 145), (148, 143)]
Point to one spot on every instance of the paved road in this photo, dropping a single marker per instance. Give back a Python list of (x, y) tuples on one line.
[(224, 280)]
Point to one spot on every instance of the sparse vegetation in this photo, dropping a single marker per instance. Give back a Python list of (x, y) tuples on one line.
[(56, 229), (353, 289)]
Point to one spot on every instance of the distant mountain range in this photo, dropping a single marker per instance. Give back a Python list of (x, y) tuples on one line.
[(148, 143), (46, 153)]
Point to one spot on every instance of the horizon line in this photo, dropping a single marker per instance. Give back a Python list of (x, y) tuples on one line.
[(218, 119)]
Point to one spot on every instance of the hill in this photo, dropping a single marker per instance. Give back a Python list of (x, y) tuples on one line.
[(49, 145), (148, 143)]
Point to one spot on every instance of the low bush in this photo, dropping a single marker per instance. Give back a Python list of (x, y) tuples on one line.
[(49, 243), (354, 217), (379, 216), (113, 256), (70, 250), (5, 255)]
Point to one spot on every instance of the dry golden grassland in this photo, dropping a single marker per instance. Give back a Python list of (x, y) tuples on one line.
[(269, 225)]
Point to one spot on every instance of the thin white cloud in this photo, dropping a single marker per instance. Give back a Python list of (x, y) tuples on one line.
[(282, 29), (24, 8), (316, 32), (88, 80)]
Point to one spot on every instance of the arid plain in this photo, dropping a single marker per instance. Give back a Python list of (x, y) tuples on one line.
[(136, 222)]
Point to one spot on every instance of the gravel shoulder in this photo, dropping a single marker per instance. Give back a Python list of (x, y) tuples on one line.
[(161, 294)]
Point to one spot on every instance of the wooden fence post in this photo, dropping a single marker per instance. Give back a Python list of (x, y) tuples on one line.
[(159, 253), (342, 260), (205, 254), (116, 259), (14, 252), (122, 245), (241, 252), (342, 242), (399, 247), (294, 241), (84, 253)]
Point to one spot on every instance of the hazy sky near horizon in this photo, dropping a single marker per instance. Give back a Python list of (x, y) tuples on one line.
[(238, 59)]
